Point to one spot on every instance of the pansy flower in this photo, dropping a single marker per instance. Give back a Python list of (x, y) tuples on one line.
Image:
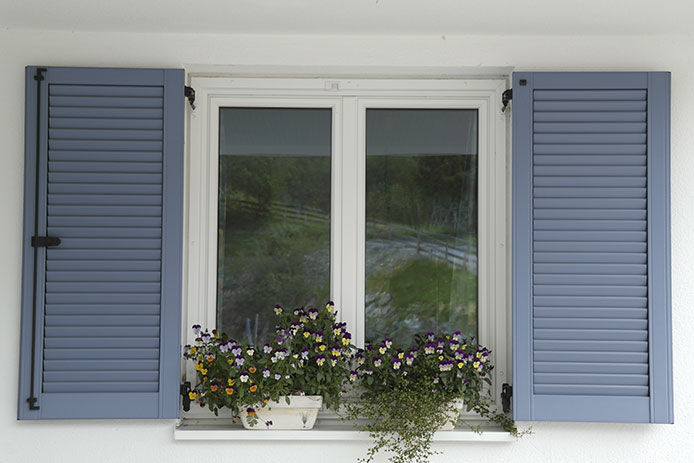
[(250, 411), (457, 335), (330, 306), (243, 378), (430, 336), (266, 373), (253, 388), (333, 360), (236, 350), (346, 338), (205, 336), (252, 370), (278, 376), (400, 354), (239, 360), (429, 348), (336, 351), (312, 314), (409, 359), (377, 361), (440, 343), (382, 349), (196, 329), (368, 371), (278, 310), (352, 375), (360, 358), (453, 344), (388, 342), (318, 336), (229, 390), (267, 348), (250, 351), (320, 359), (396, 363)]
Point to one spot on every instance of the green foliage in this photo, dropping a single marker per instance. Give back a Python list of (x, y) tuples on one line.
[(408, 394), (309, 355)]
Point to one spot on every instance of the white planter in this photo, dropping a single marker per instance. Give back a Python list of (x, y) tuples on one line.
[(300, 413), (452, 416)]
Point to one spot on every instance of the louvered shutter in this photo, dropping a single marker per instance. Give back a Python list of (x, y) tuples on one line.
[(104, 173), (591, 247)]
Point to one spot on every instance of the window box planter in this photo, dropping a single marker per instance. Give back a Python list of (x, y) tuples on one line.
[(300, 413)]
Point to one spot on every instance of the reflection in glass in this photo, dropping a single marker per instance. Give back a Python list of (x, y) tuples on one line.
[(421, 222), (274, 216)]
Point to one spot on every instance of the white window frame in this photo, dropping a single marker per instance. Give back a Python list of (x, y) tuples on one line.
[(349, 99)]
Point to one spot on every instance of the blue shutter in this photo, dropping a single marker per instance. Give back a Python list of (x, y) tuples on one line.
[(591, 247), (104, 173)]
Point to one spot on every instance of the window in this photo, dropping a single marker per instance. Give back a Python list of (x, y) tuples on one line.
[(389, 196)]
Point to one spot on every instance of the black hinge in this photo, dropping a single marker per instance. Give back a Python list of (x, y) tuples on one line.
[(44, 241), (506, 394), (506, 98), (189, 92), (185, 389)]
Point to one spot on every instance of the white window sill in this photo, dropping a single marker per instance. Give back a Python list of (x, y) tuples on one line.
[(324, 430)]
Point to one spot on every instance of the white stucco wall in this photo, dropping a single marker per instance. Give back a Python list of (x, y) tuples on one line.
[(150, 441)]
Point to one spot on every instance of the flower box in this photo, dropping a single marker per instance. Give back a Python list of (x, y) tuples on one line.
[(300, 413), (453, 415)]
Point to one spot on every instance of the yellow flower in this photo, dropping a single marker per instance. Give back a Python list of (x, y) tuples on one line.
[(253, 388), (322, 347), (230, 362), (192, 350), (476, 364), (460, 364), (478, 354), (216, 334), (265, 401), (440, 357), (230, 382), (203, 371), (229, 390), (306, 334), (192, 395), (463, 347), (401, 355), (198, 366), (252, 370), (345, 341), (204, 379), (214, 388)]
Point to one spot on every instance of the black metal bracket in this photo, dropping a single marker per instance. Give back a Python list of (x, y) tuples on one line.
[(44, 241), (185, 389), (506, 394), (506, 98), (189, 92)]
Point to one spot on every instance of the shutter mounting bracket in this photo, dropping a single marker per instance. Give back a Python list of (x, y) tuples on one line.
[(506, 394), (506, 98), (189, 92), (184, 391)]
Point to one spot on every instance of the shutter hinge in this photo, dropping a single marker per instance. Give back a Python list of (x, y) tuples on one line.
[(32, 403), (44, 241), (506, 98), (506, 394), (39, 74), (189, 92), (185, 389)]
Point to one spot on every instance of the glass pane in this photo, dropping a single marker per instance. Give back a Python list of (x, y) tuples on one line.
[(421, 222), (274, 216)]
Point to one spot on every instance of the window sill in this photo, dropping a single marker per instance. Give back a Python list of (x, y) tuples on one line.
[(324, 430)]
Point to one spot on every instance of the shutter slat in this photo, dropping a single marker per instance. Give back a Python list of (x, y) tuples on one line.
[(105, 265), (104, 220), (106, 113), (592, 378), (106, 232), (105, 102), (111, 244), (610, 163), (104, 123), (591, 257), (107, 90), (104, 310), (99, 376), (590, 323), (577, 192), (585, 290), (105, 189), (579, 268), (106, 365), (95, 298), (591, 116), (605, 105), (637, 149), (86, 210), (590, 138), (591, 214), (608, 225), (570, 179), (594, 95), (591, 389), (106, 167), (94, 318), (104, 254), (92, 354), (590, 301), (589, 203), (108, 145), (575, 279), (590, 334), (591, 367), (60, 287), (95, 343), (572, 311), (590, 346), (628, 358), (111, 386), (590, 127), (102, 275), (583, 235), (105, 134)]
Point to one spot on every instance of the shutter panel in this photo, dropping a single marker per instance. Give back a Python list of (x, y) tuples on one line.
[(591, 247), (107, 180)]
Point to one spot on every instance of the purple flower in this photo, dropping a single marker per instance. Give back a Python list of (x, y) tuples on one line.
[(196, 329), (239, 360), (278, 376), (267, 348), (206, 336), (304, 353), (377, 361), (440, 343), (312, 314), (396, 363), (409, 359), (236, 350), (388, 342), (430, 336), (266, 373), (429, 348)]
